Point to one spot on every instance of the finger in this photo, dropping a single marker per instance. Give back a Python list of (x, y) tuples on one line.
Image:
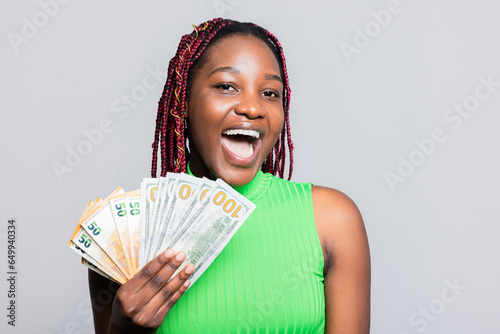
[(173, 291), (158, 312), (139, 280), (161, 277)]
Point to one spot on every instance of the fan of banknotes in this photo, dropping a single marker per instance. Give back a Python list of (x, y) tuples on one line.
[(117, 236)]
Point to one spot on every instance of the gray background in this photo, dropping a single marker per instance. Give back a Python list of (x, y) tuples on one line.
[(354, 120)]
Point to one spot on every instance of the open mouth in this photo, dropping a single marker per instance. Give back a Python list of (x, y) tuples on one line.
[(241, 143)]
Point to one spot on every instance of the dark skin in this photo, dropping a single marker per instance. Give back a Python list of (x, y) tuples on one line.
[(141, 304), (240, 87)]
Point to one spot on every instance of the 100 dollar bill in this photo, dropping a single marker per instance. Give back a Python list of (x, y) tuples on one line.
[(117, 236)]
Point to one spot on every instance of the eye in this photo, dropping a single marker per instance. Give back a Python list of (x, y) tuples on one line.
[(225, 87), (269, 93)]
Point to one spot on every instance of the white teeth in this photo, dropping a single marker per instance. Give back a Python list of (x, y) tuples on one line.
[(251, 133)]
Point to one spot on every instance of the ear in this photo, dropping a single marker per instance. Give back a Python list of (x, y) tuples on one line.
[(186, 110)]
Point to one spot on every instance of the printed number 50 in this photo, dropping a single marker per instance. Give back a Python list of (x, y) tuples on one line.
[(85, 241), (95, 230)]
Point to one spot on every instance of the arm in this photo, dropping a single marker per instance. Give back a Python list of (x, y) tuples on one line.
[(141, 304), (102, 293), (347, 262)]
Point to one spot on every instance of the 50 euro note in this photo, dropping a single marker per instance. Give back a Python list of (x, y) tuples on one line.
[(83, 244), (96, 266), (121, 212), (207, 231), (97, 269), (199, 216), (101, 227), (134, 214)]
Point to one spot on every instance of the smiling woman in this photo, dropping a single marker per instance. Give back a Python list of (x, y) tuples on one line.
[(235, 110), (300, 263), (198, 55)]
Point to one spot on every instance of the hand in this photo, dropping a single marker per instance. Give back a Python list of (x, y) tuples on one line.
[(141, 304)]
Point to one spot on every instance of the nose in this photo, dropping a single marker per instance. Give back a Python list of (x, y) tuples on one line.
[(250, 106)]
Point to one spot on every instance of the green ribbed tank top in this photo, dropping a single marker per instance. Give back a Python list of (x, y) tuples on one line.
[(268, 278)]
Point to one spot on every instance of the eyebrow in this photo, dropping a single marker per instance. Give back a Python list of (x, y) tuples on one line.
[(234, 70), (273, 77), (225, 69)]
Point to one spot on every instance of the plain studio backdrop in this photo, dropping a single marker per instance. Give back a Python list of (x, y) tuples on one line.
[(395, 103)]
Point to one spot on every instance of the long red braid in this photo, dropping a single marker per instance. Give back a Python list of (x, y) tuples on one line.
[(170, 122)]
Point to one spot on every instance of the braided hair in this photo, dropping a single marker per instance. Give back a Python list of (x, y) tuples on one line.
[(170, 132)]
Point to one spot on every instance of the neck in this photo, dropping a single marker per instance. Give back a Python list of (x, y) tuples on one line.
[(199, 169)]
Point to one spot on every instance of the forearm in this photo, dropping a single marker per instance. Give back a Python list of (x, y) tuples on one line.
[(102, 294)]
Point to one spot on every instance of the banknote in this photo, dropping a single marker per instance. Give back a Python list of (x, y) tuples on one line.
[(149, 191), (134, 227), (82, 243), (189, 201), (117, 236), (209, 230), (91, 263), (166, 188), (180, 203), (97, 269), (101, 227), (118, 206)]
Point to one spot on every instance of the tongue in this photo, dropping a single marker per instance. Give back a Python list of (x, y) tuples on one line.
[(238, 145)]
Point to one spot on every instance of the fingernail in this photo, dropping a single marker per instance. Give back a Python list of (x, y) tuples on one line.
[(189, 269), (186, 284), (169, 253), (180, 256)]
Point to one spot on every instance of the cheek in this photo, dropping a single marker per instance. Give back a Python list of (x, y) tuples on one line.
[(204, 123), (199, 115), (278, 122), (210, 110)]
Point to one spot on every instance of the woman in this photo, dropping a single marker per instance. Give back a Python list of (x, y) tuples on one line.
[(300, 263)]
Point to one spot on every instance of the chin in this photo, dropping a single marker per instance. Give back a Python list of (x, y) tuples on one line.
[(237, 177)]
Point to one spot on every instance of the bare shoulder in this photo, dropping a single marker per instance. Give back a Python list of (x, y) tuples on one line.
[(337, 217), (328, 201), (342, 234)]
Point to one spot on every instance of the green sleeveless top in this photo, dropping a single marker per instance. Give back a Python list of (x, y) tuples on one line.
[(268, 278)]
